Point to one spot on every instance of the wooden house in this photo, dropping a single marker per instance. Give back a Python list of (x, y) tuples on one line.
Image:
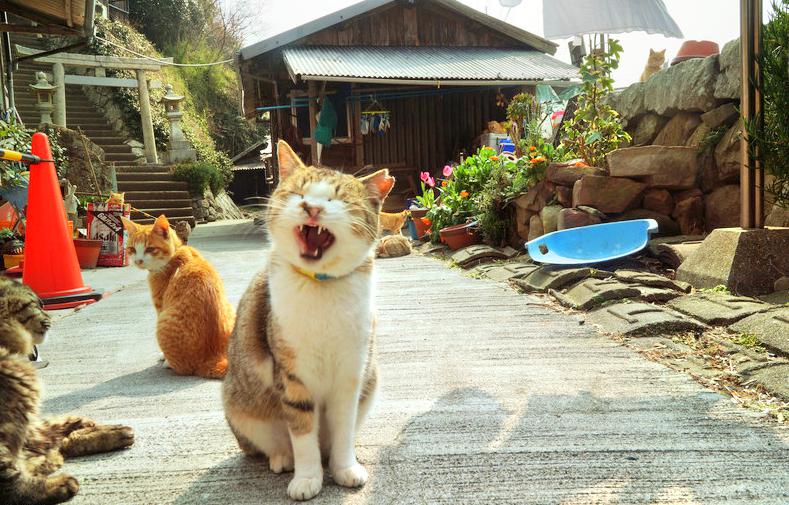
[(412, 82)]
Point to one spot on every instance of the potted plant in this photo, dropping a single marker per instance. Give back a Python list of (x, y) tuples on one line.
[(426, 202), (11, 248), (87, 252)]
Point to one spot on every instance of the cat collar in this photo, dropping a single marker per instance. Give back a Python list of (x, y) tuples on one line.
[(316, 276)]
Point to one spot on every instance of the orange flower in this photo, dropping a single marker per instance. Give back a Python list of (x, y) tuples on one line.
[(534, 160), (444, 184), (580, 164), (494, 158), (464, 194), (538, 159), (532, 148), (426, 221)]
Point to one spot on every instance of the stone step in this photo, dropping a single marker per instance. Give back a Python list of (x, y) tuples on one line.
[(160, 203), (134, 169), (191, 220), (167, 211), (115, 148), (153, 186), (94, 132), (142, 196), (85, 114), (89, 124), (143, 176), (120, 156)]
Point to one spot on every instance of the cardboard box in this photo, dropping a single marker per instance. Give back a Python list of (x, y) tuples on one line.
[(104, 223)]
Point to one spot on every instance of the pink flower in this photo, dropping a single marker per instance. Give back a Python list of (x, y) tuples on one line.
[(447, 170), (424, 176), (430, 182)]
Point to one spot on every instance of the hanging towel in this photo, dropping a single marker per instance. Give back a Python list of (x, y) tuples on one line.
[(327, 123)]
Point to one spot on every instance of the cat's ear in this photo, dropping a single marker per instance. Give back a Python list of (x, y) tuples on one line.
[(379, 184), (287, 159), (129, 226), (651, 51), (661, 53), (162, 226)]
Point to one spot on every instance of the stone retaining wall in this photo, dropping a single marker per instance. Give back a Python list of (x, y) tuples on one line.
[(682, 167)]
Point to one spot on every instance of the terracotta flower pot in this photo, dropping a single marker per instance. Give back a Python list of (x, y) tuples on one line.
[(459, 236), (87, 252), (695, 49), (416, 217)]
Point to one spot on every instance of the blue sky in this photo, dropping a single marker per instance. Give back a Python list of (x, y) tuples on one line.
[(716, 20)]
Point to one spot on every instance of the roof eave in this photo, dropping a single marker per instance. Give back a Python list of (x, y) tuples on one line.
[(559, 83), (301, 31)]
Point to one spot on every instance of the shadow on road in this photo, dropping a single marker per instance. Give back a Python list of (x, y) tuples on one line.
[(152, 381)]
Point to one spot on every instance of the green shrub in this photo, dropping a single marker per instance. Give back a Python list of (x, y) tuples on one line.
[(595, 129), (199, 175), (16, 138)]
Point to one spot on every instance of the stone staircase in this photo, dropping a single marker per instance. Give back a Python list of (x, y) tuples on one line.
[(149, 188)]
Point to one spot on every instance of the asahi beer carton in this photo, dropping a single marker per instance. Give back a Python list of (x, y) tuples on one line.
[(104, 223)]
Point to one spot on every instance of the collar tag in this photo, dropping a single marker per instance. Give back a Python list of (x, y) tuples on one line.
[(316, 276)]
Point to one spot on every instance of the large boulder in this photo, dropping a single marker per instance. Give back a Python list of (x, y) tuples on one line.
[(647, 129), (669, 167), (722, 208), (629, 102), (688, 86), (564, 195), (678, 130), (727, 155), (698, 136), (549, 216), (608, 194), (725, 115), (658, 200), (689, 213), (574, 218), (727, 83), (566, 173), (778, 216), (667, 227), (535, 227), (537, 197)]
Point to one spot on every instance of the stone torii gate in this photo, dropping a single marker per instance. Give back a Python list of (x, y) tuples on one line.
[(99, 64)]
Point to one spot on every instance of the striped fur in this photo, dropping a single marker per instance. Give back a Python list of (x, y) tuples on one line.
[(301, 360), (31, 448)]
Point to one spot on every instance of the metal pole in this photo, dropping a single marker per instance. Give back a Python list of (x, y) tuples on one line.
[(59, 78), (751, 108)]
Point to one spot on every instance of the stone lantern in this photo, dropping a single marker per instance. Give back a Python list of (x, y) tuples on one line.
[(44, 94), (179, 148)]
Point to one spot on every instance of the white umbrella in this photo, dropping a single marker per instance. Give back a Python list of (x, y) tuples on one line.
[(569, 18)]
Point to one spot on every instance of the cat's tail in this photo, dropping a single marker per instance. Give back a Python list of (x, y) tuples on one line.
[(213, 369)]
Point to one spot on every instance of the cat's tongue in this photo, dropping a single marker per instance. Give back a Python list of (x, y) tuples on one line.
[(313, 241)]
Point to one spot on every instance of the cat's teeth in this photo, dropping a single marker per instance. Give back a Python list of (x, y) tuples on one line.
[(301, 227), (320, 230)]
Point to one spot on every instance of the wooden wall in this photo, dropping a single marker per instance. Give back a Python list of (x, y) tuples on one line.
[(429, 131), (409, 25)]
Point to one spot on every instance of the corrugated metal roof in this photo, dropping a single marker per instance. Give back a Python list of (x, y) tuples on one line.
[(427, 63)]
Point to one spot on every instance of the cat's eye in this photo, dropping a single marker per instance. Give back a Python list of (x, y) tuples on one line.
[(131, 250), (149, 250)]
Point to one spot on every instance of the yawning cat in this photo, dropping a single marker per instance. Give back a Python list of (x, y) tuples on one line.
[(302, 370), (194, 318)]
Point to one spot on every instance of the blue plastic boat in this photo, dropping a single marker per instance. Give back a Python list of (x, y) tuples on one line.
[(592, 244)]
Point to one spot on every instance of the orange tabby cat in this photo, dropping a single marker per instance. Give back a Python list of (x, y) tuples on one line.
[(654, 64), (393, 223), (194, 317)]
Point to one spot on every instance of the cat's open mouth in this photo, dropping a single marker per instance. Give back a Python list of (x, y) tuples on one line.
[(313, 241)]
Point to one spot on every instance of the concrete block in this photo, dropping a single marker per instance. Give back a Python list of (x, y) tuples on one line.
[(717, 308), (594, 292), (771, 328), (636, 319), (547, 277)]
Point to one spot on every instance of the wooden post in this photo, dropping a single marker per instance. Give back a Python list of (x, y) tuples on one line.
[(356, 128), (313, 95), (59, 77), (145, 118), (751, 108)]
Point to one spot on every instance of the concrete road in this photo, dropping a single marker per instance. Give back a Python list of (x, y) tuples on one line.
[(487, 397)]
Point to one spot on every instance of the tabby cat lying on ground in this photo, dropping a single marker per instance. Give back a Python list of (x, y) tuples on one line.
[(194, 318), (302, 371), (31, 448)]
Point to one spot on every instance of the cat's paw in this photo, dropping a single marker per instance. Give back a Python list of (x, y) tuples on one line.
[(301, 488), (353, 476), (281, 463), (165, 364), (61, 488)]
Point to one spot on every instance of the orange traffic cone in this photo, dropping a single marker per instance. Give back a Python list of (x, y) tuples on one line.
[(51, 268)]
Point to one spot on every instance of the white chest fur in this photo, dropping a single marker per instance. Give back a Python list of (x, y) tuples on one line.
[(326, 323)]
